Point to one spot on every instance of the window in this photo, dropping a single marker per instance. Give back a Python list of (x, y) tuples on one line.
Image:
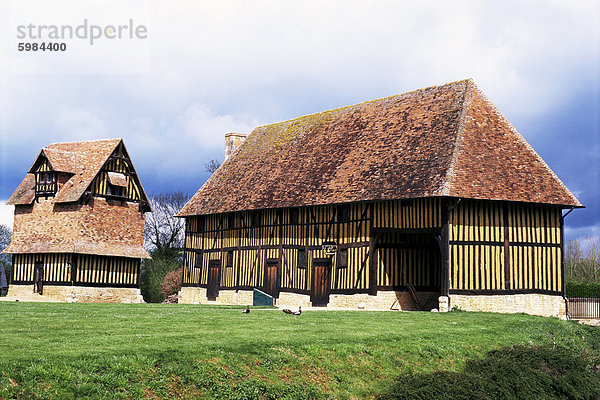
[(343, 213), (294, 216), (45, 178), (231, 221), (114, 190), (302, 259), (198, 263), (342, 261), (45, 183), (229, 262)]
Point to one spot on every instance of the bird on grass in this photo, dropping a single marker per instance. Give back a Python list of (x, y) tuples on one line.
[(246, 310), (285, 310)]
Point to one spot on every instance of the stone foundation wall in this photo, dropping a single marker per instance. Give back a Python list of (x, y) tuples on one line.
[(82, 294), (385, 300), (192, 295), (19, 290), (197, 295), (241, 297), (535, 304), (293, 300)]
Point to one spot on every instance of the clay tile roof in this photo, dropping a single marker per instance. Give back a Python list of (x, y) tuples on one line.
[(25, 192), (81, 159), (447, 140), (61, 160)]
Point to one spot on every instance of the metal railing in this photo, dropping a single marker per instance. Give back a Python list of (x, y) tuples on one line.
[(583, 303)]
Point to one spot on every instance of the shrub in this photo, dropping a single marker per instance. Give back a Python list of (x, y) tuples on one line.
[(172, 283), (520, 372), (583, 289), (153, 274)]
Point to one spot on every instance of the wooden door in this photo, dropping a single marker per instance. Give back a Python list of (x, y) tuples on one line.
[(214, 279), (271, 271), (320, 282), (38, 277)]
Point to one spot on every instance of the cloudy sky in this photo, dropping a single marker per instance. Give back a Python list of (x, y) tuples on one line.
[(205, 68)]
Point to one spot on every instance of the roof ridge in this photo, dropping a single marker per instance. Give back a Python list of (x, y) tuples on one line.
[(412, 92), (84, 141), (449, 178)]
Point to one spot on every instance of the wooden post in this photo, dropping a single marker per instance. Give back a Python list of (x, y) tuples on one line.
[(373, 237), (507, 277), (562, 255), (13, 272), (73, 269), (444, 245)]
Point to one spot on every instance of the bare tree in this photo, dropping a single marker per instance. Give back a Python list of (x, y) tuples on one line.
[(212, 166), (582, 260), (164, 233), (593, 255), (5, 263)]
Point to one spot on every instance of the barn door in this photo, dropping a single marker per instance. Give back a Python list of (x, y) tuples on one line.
[(38, 277), (214, 279), (320, 282), (271, 287)]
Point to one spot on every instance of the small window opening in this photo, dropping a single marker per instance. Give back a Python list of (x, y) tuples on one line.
[(302, 259), (342, 261), (198, 263), (229, 259)]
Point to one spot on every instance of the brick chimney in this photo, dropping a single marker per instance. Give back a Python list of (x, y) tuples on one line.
[(232, 142)]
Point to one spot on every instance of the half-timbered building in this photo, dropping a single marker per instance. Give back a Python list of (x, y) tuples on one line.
[(429, 199), (79, 224)]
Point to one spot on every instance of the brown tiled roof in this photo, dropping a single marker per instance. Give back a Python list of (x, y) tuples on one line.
[(25, 192), (446, 140), (81, 159), (102, 227)]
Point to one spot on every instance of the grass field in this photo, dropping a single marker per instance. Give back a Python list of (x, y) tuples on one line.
[(179, 351)]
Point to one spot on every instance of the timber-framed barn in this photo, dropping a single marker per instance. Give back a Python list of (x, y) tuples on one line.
[(79, 224), (429, 199)]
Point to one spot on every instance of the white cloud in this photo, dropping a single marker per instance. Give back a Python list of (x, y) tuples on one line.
[(201, 126), (79, 124), (6, 214), (582, 233), (184, 142)]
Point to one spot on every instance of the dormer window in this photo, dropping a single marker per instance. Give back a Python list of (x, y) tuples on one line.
[(45, 184), (117, 184)]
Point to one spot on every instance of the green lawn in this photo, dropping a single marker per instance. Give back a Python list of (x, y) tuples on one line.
[(183, 351)]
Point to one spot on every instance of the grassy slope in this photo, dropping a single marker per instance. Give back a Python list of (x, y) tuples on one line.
[(167, 351)]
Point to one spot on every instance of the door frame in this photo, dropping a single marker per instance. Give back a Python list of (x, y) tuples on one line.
[(38, 277), (327, 263), (270, 262), (212, 263)]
